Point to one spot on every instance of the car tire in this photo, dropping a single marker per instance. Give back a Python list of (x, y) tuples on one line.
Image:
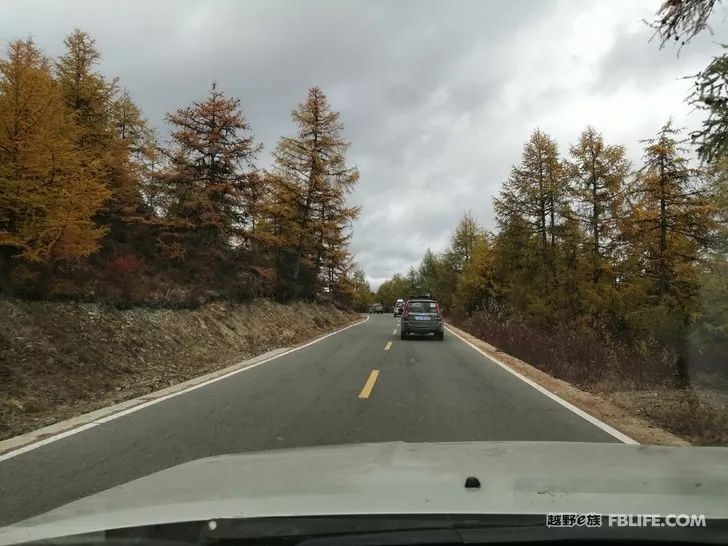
[(402, 334), (439, 336)]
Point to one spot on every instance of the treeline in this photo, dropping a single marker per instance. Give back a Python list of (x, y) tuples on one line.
[(596, 267), (92, 206)]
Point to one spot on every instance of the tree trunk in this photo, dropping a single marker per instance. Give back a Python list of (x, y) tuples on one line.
[(47, 275), (303, 224), (595, 228), (662, 283), (6, 257), (552, 228), (309, 196), (320, 249)]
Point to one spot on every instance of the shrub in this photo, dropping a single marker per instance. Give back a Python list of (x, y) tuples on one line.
[(125, 264), (577, 352)]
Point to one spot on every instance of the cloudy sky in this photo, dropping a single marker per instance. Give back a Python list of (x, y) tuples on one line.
[(437, 96)]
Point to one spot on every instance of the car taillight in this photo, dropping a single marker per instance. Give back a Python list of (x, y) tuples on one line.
[(437, 308), (405, 313)]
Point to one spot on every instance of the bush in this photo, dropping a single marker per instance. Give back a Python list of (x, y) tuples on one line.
[(692, 418), (123, 265), (578, 352)]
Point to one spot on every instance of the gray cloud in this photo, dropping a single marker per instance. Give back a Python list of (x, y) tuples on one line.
[(437, 97)]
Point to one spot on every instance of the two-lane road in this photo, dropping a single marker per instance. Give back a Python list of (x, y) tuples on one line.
[(360, 385)]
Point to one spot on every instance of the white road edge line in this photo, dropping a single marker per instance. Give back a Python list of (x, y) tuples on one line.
[(87, 426), (581, 413)]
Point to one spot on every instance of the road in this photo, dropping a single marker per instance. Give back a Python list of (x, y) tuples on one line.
[(326, 393)]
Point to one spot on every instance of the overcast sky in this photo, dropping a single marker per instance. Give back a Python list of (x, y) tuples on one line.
[(437, 97)]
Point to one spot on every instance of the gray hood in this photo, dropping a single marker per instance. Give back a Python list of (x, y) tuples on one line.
[(402, 478)]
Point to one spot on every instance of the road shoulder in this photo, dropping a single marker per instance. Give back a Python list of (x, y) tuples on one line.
[(633, 427)]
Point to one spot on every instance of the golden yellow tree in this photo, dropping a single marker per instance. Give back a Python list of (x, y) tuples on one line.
[(672, 219), (598, 171), (112, 135), (536, 190), (48, 198)]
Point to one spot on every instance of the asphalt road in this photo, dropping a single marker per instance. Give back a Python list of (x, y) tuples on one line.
[(326, 393)]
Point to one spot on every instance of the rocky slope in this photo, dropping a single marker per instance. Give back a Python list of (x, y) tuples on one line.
[(58, 360)]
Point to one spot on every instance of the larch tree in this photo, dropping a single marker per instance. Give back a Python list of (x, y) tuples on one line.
[(536, 191), (597, 173), (463, 241), (314, 178), (455, 258), (428, 273), (681, 20), (88, 95), (475, 286), (137, 138), (112, 134), (209, 178), (413, 281), (392, 289), (361, 292), (709, 337), (672, 219), (333, 233), (48, 194), (710, 95), (716, 188), (517, 260)]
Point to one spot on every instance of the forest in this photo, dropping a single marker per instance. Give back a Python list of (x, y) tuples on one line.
[(603, 272), (94, 207), (598, 267)]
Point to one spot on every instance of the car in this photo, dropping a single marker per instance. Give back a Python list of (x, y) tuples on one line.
[(377, 308), (422, 315), (398, 307), (406, 493)]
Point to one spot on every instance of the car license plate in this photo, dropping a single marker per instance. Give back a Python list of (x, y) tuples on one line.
[(422, 318)]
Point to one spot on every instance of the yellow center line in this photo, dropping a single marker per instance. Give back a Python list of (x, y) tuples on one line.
[(369, 385), (388, 346)]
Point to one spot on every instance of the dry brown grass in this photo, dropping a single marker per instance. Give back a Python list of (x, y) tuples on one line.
[(698, 414), (642, 382)]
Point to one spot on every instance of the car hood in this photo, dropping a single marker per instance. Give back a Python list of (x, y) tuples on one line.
[(404, 478)]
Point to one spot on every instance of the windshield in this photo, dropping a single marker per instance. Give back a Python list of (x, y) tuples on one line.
[(370, 252), (422, 307)]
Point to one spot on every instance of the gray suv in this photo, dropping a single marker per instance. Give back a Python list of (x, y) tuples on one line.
[(422, 316)]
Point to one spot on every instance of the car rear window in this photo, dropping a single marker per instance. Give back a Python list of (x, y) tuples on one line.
[(423, 307)]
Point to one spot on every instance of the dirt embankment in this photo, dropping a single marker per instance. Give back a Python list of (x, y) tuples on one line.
[(58, 360)]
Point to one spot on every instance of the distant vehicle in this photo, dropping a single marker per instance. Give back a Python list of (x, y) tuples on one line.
[(377, 308), (422, 315), (398, 307)]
